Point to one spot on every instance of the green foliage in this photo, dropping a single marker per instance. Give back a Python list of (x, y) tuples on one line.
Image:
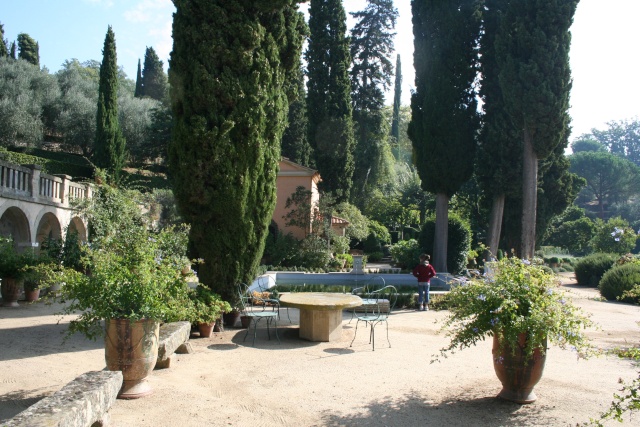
[(13, 262), (348, 258), (521, 298), (585, 143), (458, 245), (444, 120), (613, 236), (340, 244), (358, 227), (207, 305), (154, 80), (230, 70), (313, 253), (110, 147), (134, 270), (395, 116), (295, 143), (405, 253), (280, 250), (618, 280), (49, 166), (28, 49), (621, 138), (610, 178), (590, 269), (27, 102), (329, 106), (572, 230), (371, 47)]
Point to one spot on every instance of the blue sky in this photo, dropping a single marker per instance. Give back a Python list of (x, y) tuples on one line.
[(604, 58)]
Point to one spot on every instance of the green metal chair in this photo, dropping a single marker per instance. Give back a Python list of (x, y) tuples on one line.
[(380, 304), (256, 308), (273, 300)]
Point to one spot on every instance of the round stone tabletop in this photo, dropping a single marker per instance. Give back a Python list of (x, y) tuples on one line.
[(319, 300)]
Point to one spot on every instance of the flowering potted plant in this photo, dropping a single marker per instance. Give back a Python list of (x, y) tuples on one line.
[(207, 309), (129, 283), (521, 307)]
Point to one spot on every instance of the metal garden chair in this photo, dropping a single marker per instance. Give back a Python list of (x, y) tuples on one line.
[(383, 302), (274, 301), (255, 307), (363, 291)]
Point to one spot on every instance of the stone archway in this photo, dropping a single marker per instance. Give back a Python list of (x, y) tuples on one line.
[(76, 226), (48, 228), (14, 224)]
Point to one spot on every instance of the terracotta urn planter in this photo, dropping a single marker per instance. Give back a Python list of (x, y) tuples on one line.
[(132, 347), (518, 372), (31, 295), (10, 292), (205, 329)]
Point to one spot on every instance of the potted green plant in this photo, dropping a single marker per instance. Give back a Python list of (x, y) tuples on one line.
[(521, 307), (12, 265), (129, 282), (207, 309)]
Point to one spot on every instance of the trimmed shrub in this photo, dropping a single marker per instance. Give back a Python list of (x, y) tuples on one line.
[(590, 269), (405, 253), (618, 280), (374, 257), (458, 245)]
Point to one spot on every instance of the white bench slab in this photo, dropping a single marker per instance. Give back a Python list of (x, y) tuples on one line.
[(84, 402)]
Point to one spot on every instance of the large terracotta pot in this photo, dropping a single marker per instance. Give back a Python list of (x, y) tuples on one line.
[(518, 372), (132, 347), (10, 290)]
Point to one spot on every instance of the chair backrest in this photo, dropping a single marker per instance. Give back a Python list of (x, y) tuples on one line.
[(386, 297), (244, 295)]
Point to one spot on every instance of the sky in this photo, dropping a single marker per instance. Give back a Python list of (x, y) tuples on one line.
[(604, 49)]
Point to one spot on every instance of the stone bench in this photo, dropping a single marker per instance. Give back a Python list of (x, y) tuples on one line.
[(173, 338), (84, 402)]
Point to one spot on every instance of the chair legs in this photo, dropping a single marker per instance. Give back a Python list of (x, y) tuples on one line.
[(372, 332), (255, 321)]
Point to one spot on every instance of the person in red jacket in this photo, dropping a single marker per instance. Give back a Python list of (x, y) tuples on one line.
[(424, 272)]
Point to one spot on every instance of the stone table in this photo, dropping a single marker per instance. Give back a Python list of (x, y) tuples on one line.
[(320, 313)]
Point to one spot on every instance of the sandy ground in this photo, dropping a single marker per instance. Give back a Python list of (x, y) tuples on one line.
[(227, 381)]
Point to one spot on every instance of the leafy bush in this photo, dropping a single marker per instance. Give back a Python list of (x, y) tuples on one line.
[(614, 236), (458, 245), (589, 270), (405, 253), (348, 257), (313, 253), (618, 280), (340, 244), (375, 256)]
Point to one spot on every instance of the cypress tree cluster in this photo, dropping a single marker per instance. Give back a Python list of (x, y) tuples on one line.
[(229, 68), (151, 81), (329, 96), (110, 150), (4, 51), (397, 96), (28, 49)]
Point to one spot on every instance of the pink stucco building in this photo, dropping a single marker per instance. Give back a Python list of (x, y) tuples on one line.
[(290, 177)]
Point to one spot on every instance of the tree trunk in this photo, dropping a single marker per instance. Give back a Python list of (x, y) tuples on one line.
[(442, 233), (529, 197), (495, 226)]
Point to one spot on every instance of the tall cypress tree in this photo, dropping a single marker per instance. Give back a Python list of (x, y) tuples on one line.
[(371, 47), (295, 142), (109, 152), (28, 49), (4, 51), (397, 99), (329, 96), (535, 84), (444, 119), (154, 80), (498, 166), (12, 51), (229, 69), (138, 91)]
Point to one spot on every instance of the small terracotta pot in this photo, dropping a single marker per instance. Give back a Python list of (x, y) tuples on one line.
[(31, 296), (205, 329), (230, 319)]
